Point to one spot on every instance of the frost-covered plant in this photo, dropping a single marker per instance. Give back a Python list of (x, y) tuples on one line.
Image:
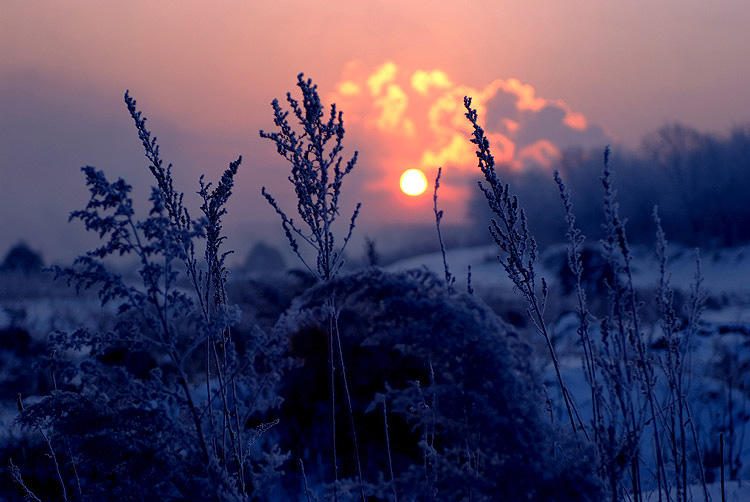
[(589, 356), (464, 411), (449, 278), (677, 420), (629, 417), (628, 366), (317, 175), (180, 428), (510, 232), (616, 422), (622, 372)]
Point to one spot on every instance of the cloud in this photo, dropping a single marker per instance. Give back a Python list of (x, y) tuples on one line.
[(542, 153), (526, 95), (348, 88), (392, 103), (459, 151), (424, 81), (539, 128), (383, 75), (407, 118), (374, 100)]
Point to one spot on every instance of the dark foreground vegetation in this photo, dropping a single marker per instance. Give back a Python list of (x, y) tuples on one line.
[(365, 385)]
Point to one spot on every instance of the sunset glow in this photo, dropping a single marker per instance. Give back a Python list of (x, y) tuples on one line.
[(413, 182), (205, 75), (414, 118)]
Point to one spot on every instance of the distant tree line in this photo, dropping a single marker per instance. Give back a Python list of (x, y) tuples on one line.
[(699, 181)]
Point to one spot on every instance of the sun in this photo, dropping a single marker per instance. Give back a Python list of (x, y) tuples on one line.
[(413, 182)]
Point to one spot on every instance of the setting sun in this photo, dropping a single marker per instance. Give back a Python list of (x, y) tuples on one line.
[(413, 182)]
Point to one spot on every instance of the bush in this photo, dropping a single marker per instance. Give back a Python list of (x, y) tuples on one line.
[(263, 258), (20, 258), (446, 378)]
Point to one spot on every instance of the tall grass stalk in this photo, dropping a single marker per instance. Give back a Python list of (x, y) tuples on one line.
[(449, 279), (721, 455), (510, 232), (317, 175), (304, 479), (388, 450), (677, 417), (51, 455), (576, 240), (171, 323), (209, 285), (621, 371), (17, 477)]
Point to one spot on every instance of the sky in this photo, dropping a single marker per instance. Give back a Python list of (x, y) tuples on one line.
[(544, 75)]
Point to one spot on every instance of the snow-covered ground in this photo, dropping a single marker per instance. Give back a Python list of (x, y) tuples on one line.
[(734, 491), (725, 271)]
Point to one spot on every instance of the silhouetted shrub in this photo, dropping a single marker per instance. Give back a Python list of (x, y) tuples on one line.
[(464, 408), (21, 258), (265, 259)]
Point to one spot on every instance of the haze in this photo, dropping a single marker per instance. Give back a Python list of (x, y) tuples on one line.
[(545, 76)]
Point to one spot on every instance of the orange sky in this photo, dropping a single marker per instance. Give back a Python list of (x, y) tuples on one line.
[(544, 74)]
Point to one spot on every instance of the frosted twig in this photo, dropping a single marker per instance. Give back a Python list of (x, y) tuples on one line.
[(449, 279)]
